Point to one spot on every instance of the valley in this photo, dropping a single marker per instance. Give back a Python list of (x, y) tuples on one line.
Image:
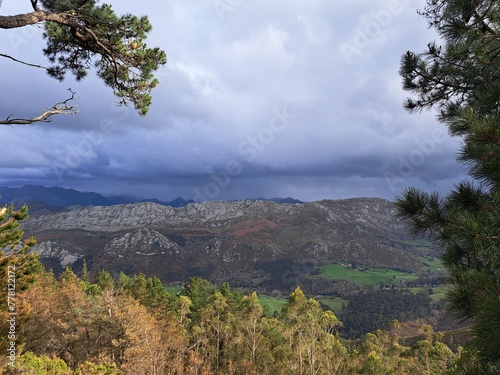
[(263, 245), (333, 250)]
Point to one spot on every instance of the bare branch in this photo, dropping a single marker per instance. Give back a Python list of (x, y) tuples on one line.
[(60, 108), (23, 62)]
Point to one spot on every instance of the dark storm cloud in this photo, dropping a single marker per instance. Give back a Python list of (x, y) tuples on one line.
[(257, 99)]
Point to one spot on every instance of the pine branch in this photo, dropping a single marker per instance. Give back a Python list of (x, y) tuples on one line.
[(60, 108)]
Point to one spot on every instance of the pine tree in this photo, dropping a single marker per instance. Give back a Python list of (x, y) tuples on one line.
[(19, 270), (461, 78), (82, 35)]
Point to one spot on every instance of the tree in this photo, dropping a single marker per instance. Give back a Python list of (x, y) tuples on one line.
[(80, 35), (106, 331), (199, 291), (461, 78), (250, 326), (18, 272), (462, 72), (10, 232), (311, 330), (104, 280), (66, 322), (215, 323), (152, 348), (29, 363)]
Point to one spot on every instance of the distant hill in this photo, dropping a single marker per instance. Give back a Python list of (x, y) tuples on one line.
[(262, 244), (54, 196), (68, 198), (49, 198)]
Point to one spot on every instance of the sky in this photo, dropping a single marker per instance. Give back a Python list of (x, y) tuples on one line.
[(259, 98)]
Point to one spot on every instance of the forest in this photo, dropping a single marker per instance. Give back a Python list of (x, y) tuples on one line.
[(368, 312), (133, 325)]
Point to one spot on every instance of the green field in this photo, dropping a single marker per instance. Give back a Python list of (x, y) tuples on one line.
[(335, 303), (438, 292), (432, 264), (272, 304), (174, 289), (363, 277), (371, 276)]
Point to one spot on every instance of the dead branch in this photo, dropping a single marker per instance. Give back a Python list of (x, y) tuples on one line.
[(60, 108), (23, 62)]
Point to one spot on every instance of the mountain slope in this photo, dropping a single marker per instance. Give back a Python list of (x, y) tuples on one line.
[(243, 242), (54, 196)]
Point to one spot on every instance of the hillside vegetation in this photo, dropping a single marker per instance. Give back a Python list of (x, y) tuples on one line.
[(133, 325), (260, 245)]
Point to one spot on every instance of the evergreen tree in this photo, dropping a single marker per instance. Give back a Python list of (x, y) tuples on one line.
[(81, 35), (199, 291), (461, 78), (463, 72), (18, 272), (104, 280), (11, 235)]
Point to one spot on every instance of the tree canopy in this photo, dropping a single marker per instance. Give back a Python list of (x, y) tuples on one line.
[(462, 71), (461, 78), (81, 35)]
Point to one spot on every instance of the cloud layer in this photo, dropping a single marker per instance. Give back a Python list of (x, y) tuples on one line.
[(258, 99)]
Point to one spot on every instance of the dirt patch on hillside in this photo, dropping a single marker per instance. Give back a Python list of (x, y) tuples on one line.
[(261, 225)]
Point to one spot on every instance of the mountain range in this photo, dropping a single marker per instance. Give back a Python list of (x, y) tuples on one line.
[(260, 244), (51, 199), (67, 198)]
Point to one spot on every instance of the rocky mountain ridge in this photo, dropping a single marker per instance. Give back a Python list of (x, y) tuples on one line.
[(241, 242), (58, 197), (55, 198)]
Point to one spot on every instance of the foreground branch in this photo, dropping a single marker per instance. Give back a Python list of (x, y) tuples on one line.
[(23, 62), (60, 108), (81, 35)]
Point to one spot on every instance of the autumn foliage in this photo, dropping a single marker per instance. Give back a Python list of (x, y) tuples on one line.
[(133, 325)]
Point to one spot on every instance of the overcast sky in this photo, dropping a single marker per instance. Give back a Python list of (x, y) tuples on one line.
[(259, 98)]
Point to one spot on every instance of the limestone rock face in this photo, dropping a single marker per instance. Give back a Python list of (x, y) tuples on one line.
[(102, 218), (226, 241), (66, 252), (143, 242)]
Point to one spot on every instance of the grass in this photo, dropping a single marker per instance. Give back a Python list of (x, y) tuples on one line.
[(272, 304), (174, 289), (335, 303), (438, 292), (372, 276), (434, 264)]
